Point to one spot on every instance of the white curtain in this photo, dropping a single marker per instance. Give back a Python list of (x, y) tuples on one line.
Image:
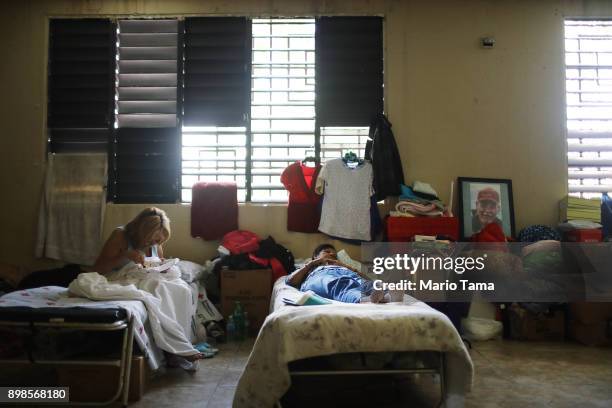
[(72, 208)]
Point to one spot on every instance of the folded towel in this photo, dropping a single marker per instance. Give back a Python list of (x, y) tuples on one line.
[(415, 208)]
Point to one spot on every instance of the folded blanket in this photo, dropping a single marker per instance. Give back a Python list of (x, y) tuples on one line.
[(417, 208)]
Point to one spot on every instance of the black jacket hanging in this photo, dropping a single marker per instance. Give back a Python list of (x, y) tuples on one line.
[(386, 162)]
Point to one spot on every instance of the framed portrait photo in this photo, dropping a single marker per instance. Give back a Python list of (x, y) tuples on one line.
[(483, 201)]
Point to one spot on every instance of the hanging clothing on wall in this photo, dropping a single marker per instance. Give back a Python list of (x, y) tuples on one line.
[(382, 151), (214, 209), (303, 211), (346, 204), (72, 208)]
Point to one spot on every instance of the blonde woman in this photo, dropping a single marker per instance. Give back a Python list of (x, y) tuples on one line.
[(143, 236)]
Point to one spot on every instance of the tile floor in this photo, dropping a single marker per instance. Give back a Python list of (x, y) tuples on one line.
[(508, 374)]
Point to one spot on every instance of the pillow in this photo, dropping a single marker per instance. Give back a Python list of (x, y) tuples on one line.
[(344, 257)]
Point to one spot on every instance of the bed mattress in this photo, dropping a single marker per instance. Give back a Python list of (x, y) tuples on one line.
[(41, 304)]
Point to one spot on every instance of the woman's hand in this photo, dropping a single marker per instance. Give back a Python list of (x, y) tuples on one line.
[(135, 256)]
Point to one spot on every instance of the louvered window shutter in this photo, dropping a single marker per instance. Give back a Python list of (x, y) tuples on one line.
[(349, 70), (80, 84), (147, 139), (588, 70), (217, 71)]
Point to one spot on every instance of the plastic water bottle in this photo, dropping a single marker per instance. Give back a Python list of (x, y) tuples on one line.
[(231, 329), (239, 321)]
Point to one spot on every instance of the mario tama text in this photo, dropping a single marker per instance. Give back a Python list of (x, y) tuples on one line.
[(432, 285)]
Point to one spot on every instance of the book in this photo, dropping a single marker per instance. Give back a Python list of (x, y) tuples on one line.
[(576, 208), (308, 298), (154, 264)]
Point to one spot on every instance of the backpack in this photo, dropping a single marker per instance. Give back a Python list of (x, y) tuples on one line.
[(268, 248), (240, 242)]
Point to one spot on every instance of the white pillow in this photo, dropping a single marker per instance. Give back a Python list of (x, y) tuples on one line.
[(344, 257)]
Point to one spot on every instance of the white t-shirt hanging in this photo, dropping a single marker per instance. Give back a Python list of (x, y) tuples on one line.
[(346, 203)]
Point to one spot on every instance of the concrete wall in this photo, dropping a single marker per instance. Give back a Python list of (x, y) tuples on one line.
[(456, 109)]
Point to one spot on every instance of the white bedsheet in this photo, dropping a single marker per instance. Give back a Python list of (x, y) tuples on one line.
[(161, 306), (292, 333), (178, 300), (55, 296)]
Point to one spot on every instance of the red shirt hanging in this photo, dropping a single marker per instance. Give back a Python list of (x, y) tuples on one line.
[(304, 211)]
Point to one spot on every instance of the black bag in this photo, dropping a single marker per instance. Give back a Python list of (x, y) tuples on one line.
[(268, 248), (51, 277)]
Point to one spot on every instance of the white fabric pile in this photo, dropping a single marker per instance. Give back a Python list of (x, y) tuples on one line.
[(169, 300)]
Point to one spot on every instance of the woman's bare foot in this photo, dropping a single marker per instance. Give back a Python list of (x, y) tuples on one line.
[(194, 357)]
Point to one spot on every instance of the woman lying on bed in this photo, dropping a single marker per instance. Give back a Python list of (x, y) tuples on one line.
[(326, 276)]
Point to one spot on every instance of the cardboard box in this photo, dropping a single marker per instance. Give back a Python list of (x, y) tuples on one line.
[(90, 383), (252, 288), (594, 334), (590, 312), (525, 325)]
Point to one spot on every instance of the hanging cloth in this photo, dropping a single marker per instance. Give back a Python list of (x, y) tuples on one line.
[(72, 208), (214, 209), (303, 211), (382, 151), (346, 203)]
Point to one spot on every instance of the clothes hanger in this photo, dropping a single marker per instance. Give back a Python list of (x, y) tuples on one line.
[(351, 158), (312, 159)]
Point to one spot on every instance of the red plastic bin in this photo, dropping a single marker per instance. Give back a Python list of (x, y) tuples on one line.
[(584, 235), (403, 229)]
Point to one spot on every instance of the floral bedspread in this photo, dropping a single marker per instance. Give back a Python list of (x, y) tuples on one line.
[(292, 333), (55, 296)]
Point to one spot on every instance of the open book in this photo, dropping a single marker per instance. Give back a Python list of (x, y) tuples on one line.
[(154, 264), (308, 298)]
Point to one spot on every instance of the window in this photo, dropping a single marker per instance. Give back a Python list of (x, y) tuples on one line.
[(336, 141), (216, 89), (282, 101), (588, 58), (144, 162), (292, 60), (80, 90), (177, 101)]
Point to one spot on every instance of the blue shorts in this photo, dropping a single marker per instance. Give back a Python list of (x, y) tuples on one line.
[(337, 283)]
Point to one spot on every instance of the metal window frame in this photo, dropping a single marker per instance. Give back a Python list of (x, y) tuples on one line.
[(287, 65)]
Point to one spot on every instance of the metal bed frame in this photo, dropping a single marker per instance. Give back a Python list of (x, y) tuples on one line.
[(440, 370), (124, 362)]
